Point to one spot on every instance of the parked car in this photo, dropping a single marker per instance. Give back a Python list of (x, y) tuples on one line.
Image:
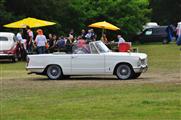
[(154, 34), (150, 25), (8, 46), (94, 59)]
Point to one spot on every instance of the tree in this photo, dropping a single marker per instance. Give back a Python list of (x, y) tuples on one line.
[(166, 11), (4, 15), (129, 15)]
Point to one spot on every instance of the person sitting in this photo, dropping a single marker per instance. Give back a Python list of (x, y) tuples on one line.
[(81, 42), (61, 44)]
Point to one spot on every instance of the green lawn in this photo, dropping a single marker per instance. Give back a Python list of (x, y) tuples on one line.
[(32, 97), (163, 57)]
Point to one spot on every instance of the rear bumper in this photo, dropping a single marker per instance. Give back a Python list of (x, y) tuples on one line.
[(35, 70), (6, 56), (141, 69)]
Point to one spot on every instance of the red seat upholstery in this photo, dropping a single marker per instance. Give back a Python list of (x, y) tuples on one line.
[(124, 47)]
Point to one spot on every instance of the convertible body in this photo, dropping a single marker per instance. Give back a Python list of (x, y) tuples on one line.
[(98, 61)]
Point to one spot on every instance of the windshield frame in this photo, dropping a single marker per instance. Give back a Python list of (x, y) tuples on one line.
[(101, 47)]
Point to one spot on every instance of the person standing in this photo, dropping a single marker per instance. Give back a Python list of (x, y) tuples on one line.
[(29, 42), (71, 34), (20, 45), (170, 33), (93, 35), (61, 44), (41, 42), (51, 43), (178, 42), (104, 39), (88, 36), (83, 34)]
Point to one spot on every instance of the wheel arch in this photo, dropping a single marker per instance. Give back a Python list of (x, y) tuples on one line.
[(45, 70), (121, 63)]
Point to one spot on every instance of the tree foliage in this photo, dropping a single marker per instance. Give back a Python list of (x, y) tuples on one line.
[(129, 15), (166, 11), (4, 15)]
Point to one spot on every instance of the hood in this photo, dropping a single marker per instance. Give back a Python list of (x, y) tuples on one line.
[(140, 55)]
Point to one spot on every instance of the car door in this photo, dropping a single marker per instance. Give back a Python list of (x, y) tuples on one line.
[(147, 35), (156, 35), (85, 64)]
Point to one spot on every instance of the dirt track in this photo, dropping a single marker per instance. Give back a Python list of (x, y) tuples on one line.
[(28, 81)]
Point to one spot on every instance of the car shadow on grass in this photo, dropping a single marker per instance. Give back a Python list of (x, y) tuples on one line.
[(92, 78), (72, 78), (6, 62)]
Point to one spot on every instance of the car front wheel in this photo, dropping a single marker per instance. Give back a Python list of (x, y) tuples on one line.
[(124, 72), (54, 72)]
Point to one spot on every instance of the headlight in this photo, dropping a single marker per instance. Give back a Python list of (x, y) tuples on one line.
[(139, 62), (143, 61)]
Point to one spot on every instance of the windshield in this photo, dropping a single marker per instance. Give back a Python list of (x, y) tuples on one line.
[(102, 47)]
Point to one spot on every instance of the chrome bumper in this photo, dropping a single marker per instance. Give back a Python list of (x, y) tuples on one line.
[(141, 69), (7, 55)]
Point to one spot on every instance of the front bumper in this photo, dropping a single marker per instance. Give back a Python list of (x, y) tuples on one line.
[(141, 69)]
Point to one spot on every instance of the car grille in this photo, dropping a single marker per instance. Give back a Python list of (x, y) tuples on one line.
[(143, 62)]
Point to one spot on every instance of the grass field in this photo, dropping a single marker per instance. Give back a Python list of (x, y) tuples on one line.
[(156, 95)]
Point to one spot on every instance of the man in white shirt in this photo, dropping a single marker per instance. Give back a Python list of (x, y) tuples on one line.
[(120, 39), (19, 35), (20, 38)]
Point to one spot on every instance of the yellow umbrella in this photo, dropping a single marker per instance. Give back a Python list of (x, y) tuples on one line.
[(31, 22), (104, 25)]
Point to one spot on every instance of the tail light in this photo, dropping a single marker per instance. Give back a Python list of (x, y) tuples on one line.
[(27, 60), (11, 51)]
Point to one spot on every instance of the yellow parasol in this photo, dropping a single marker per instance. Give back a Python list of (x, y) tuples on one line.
[(31, 22), (104, 25)]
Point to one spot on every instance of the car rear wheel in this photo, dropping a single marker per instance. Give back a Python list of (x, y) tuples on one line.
[(124, 72), (15, 59), (54, 72)]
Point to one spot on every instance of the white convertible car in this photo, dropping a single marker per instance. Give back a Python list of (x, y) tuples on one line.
[(93, 59)]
